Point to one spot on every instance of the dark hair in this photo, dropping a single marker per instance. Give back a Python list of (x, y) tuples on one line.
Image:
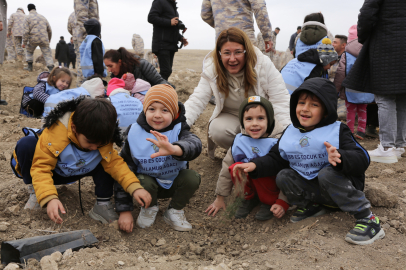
[(62, 38), (299, 28), (252, 106), (342, 38), (313, 97), (277, 28), (58, 72), (128, 60), (96, 120), (315, 17)]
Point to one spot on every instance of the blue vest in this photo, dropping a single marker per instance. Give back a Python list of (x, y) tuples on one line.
[(245, 148), (51, 90), (353, 96), (73, 161), (128, 108), (86, 62), (306, 152), (165, 169), (295, 72), (64, 95)]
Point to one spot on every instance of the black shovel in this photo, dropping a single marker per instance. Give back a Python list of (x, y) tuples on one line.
[(37, 247)]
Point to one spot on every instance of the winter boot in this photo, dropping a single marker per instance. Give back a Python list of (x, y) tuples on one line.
[(50, 68), (29, 67)]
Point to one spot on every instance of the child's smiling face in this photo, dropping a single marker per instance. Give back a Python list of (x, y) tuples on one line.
[(255, 122), (158, 116), (309, 111), (63, 82)]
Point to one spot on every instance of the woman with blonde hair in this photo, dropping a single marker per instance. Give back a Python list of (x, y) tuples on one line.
[(232, 72)]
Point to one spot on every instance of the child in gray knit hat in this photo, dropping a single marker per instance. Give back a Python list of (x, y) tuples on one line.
[(328, 56)]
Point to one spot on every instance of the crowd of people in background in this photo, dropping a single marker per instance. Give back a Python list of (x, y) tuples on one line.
[(279, 124)]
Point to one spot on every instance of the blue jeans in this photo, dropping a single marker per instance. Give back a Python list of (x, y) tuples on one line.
[(65, 64), (25, 150)]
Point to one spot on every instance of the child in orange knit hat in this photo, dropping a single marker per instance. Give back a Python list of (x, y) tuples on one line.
[(157, 149)]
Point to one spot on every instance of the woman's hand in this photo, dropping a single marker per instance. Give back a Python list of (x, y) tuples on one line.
[(165, 147), (216, 206), (244, 167), (333, 155), (126, 221)]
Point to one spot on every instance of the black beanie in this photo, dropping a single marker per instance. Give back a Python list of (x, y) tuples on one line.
[(265, 104), (31, 6)]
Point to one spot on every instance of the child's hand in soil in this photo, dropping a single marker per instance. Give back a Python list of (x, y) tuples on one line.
[(333, 154), (244, 167), (277, 210), (142, 197), (126, 221), (216, 206), (165, 147), (53, 208)]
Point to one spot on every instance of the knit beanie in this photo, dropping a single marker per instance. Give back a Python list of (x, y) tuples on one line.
[(95, 87), (31, 6), (164, 94), (352, 33), (265, 104), (129, 81), (326, 52), (114, 84)]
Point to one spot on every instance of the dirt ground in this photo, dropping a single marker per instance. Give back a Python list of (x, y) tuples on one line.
[(214, 243)]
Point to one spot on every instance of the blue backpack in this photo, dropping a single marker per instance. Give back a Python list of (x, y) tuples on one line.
[(26, 92)]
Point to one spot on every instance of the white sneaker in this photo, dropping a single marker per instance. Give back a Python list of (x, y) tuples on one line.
[(177, 220), (147, 216), (32, 203), (399, 151), (382, 156)]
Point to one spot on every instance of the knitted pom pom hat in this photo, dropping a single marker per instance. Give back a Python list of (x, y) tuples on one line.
[(114, 84), (164, 94), (326, 52)]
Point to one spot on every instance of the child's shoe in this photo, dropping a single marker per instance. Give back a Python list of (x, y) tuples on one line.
[(366, 231), (399, 152), (104, 213), (370, 131), (312, 210), (177, 220), (147, 216), (360, 135), (32, 202), (246, 207), (264, 212), (382, 155)]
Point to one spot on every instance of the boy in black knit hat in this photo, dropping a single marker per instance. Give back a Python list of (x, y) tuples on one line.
[(257, 118)]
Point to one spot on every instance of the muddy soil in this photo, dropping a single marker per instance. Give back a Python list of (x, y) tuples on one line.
[(214, 243)]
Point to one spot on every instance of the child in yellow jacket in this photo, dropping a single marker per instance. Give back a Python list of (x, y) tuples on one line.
[(77, 141)]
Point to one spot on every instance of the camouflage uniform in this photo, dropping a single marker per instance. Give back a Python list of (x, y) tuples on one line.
[(223, 14), (138, 45), (332, 71), (11, 54), (261, 45), (37, 32), (15, 27), (84, 10), (3, 34)]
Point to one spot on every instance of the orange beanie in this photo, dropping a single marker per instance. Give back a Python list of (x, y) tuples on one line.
[(164, 94)]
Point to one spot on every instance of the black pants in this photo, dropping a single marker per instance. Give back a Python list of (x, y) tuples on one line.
[(25, 153), (372, 115), (73, 61), (165, 59), (331, 188)]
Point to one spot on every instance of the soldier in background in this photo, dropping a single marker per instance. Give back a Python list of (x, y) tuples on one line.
[(261, 43), (84, 11), (15, 31), (37, 32), (3, 24), (223, 14), (11, 53), (138, 45)]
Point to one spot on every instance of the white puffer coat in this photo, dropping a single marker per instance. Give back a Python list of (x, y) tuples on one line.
[(270, 85)]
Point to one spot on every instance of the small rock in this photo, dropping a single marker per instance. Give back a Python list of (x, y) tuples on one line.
[(121, 263), (379, 195), (56, 256), (388, 171), (174, 258), (386, 226), (160, 242), (293, 241), (245, 247), (401, 215), (232, 233), (264, 248), (13, 197), (3, 228), (48, 264), (153, 241), (12, 266), (245, 265), (91, 263), (221, 250), (384, 219), (14, 209), (67, 254), (140, 259), (266, 229), (394, 223), (269, 266)]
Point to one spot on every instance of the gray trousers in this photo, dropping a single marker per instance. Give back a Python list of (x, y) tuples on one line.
[(330, 188), (392, 120), (223, 129)]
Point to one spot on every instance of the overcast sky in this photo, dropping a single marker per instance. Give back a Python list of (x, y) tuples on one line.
[(122, 18)]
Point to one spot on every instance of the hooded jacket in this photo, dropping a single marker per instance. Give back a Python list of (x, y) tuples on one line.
[(188, 142), (62, 51), (312, 56), (55, 137), (93, 27), (354, 158)]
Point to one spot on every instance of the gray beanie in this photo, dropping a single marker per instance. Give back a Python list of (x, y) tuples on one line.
[(326, 51)]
